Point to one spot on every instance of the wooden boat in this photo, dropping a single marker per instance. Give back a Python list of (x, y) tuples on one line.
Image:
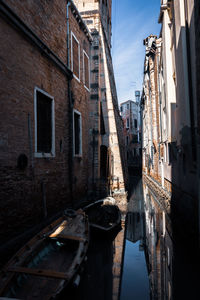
[(104, 216), (44, 267)]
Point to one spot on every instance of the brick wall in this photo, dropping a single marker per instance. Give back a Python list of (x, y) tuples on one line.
[(23, 193), (47, 19), (80, 98), (197, 32), (23, 69)]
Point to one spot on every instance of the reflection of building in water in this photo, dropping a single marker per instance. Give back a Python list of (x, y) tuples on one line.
[(135, 217), (159, 250), (134, 226), (118, 263)]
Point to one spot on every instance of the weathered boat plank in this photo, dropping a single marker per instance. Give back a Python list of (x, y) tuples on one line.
[(68, 237), (40, 272)]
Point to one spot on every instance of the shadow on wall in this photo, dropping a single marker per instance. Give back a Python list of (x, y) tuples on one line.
[(184, 200)]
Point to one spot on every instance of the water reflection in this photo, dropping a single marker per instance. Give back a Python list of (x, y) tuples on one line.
[(171, 260), (135, 280), (154, 252), (159, 250), (135, 284), (152, 262)]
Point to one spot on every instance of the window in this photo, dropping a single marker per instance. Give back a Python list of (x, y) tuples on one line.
[(121, 108), (89, 22), (104, 162), (127, 106), (75, 56), (77, 125), (86, 70), (165, 152), (44, 124), (127, 123), (135, 123), (102, 124), (127, 141)]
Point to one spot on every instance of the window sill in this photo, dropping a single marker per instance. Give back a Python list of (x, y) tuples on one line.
[(78, 155), (87, 88), (44, 155), (76, 78), (78, 158)]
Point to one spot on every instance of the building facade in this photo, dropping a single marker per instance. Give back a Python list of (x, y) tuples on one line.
[(44, 135), (131, 116), (170, 130), (107, 131)]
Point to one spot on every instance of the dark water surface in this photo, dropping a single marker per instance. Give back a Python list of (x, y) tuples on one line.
[(135, 281), (156, 263)]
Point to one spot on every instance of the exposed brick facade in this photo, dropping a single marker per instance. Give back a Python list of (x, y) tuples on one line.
[(42, 187)]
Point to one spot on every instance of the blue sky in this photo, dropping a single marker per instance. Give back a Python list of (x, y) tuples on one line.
[(132, 21)]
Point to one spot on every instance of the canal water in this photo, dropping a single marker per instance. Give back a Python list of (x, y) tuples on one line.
[(146, 259), (134, 275)]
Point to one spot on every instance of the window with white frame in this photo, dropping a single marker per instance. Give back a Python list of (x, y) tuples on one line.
[(86, 70), (77, 126), (75, 56), (44, 124)]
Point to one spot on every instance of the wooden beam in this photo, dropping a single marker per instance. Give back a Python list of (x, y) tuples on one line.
[(67, 237), (40, 272)]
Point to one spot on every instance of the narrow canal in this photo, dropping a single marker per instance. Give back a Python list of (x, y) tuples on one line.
[(134, 275), (145, 260)]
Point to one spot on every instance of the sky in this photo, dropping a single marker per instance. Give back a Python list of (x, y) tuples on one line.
[(132, 22)]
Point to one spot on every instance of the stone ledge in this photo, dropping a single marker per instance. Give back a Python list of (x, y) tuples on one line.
[(164, 197)]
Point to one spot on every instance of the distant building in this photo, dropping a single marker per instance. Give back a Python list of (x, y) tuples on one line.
[(130, 113)]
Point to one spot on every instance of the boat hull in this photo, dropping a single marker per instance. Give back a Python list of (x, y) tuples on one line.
[(45, 266)]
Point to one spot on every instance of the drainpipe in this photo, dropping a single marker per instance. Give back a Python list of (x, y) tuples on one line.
[(30, 139), (68, 61), (44, 200), (70, 115), (160, 103), (93, 158)]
